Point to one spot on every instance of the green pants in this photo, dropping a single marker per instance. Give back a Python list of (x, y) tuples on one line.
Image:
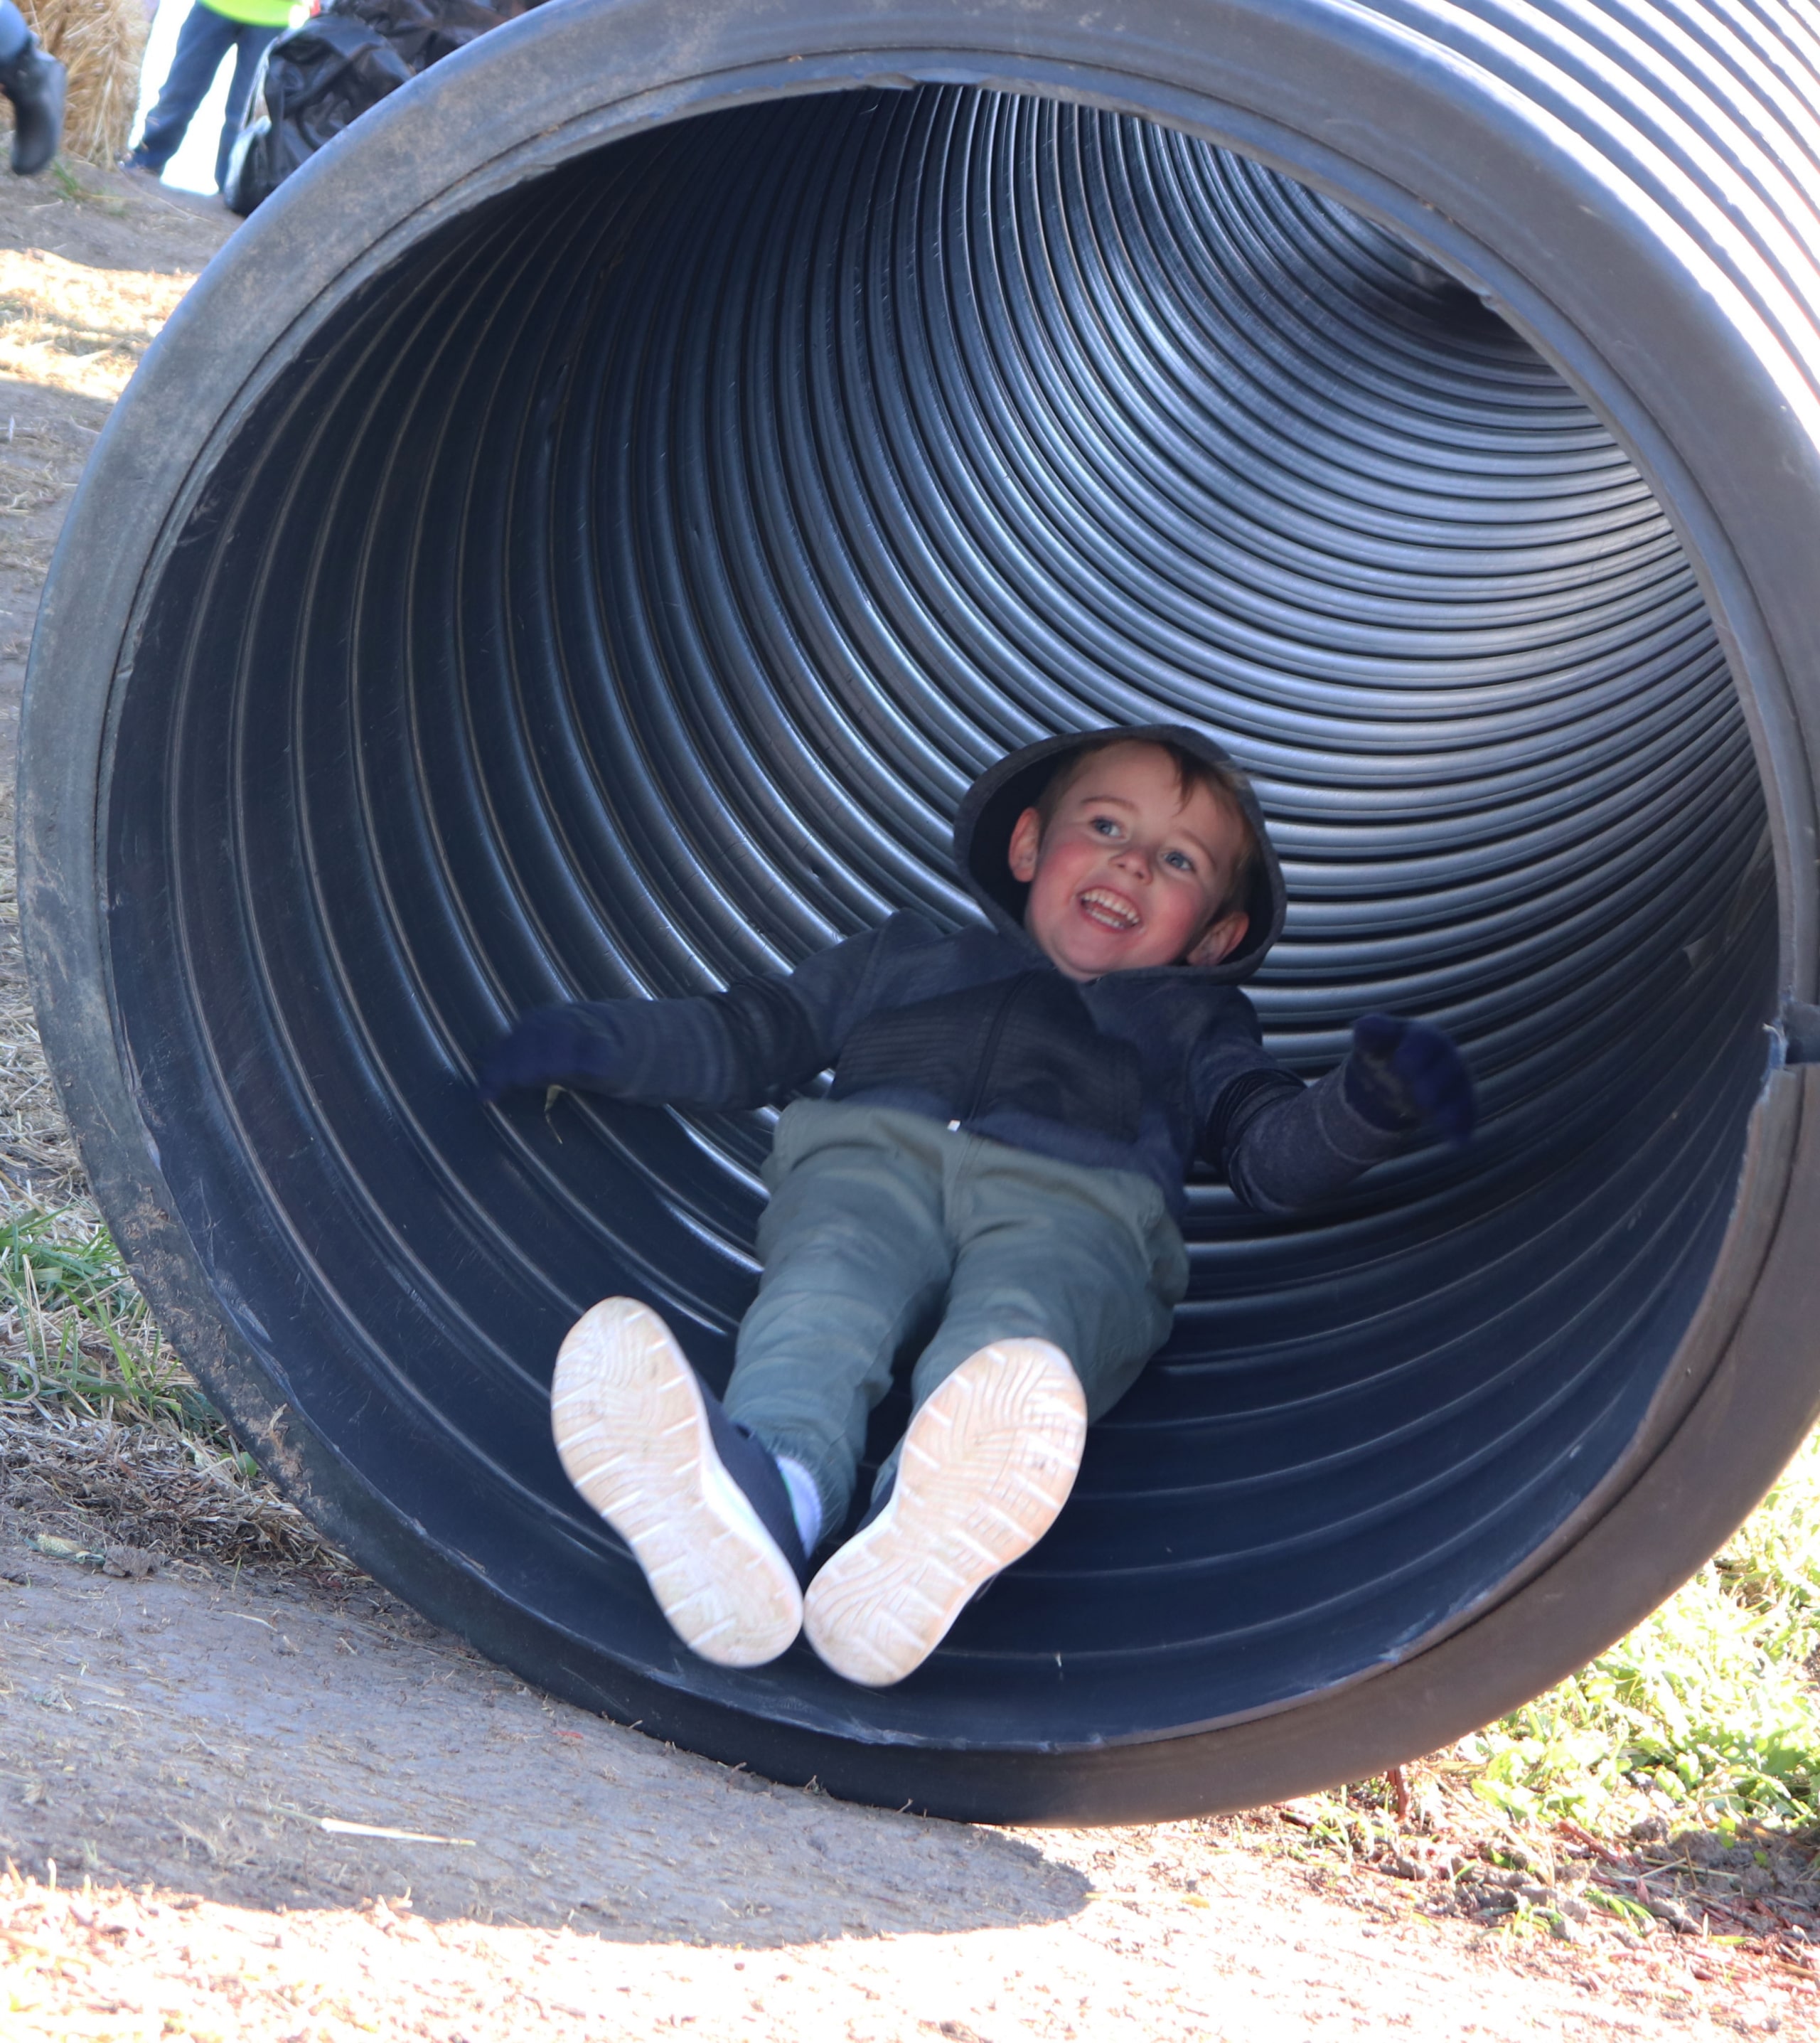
[(883, 1222)]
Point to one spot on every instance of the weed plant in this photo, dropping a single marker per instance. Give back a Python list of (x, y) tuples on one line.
[(103, 1432), (75, 1329), (1707, 1716), (1704, 1721)]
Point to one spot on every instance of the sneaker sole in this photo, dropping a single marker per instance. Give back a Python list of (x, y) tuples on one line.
[(987, 1464), (632, 1432)]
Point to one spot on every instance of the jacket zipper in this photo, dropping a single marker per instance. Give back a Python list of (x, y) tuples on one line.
[(977, 1098)]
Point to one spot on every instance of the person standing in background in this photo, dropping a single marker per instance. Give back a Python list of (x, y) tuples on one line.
[(211, 30), (34, 84)]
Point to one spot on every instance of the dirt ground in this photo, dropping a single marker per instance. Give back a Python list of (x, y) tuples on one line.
[(266, 1801), (222, 1772)]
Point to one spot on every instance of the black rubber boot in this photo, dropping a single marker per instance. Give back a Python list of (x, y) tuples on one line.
[(35, 83)]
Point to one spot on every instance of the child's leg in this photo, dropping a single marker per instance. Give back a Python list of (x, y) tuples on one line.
[(856, 1257), (1063, 1287), (1089, 1260)]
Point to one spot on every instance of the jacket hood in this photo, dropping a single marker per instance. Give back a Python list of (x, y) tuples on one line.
[(991, 807)]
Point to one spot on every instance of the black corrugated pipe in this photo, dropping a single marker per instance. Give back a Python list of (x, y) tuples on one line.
[(582, 536)]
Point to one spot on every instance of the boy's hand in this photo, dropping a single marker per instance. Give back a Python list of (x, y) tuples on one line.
[(548, 1046), (1402, 1071)]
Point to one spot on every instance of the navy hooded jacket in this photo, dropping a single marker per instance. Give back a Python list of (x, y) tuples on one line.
[(1145, 1071)]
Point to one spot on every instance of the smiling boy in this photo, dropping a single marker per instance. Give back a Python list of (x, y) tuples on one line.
[(1002, 1155), (1132, 860)]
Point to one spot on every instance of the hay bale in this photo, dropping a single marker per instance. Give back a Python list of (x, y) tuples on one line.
[(102, 42)]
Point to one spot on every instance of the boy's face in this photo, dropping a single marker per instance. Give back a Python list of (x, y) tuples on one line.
[(1129, 874)]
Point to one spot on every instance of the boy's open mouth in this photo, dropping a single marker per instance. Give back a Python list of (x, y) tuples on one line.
[(1111, 911)]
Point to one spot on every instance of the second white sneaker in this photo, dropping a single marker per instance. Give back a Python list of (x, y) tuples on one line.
[(987, 1464)]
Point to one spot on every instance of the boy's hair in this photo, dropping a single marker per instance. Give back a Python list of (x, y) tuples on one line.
[(1225, 784)]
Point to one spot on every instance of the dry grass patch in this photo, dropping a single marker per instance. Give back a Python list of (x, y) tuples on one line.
[(40, 461), (124, 1494), (69, 326), (106, 1442)]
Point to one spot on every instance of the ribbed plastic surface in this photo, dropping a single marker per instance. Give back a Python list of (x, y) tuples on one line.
[(615, 600)]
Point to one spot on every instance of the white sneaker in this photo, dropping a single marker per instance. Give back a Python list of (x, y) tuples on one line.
[(987, 1464), (701, 1503)]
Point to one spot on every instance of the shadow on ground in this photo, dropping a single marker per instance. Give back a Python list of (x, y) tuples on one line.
[(197, 1732)]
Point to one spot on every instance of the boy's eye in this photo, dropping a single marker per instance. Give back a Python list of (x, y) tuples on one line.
[(1180, 860), (1105, 826)]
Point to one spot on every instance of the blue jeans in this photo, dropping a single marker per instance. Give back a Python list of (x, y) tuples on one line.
[(883, 1225), (14, 34), (205, 39)]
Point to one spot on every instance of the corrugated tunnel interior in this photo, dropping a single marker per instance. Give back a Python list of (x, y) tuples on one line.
[(615, 596)]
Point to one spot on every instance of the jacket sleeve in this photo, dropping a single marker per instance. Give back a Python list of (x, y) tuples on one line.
[(1280, 1143), (1284, 1145), (743, 1047)]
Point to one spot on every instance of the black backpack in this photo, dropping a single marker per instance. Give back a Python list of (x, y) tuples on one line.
[(316, 78)]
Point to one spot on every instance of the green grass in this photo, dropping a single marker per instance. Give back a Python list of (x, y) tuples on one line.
[(82, 1335)]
